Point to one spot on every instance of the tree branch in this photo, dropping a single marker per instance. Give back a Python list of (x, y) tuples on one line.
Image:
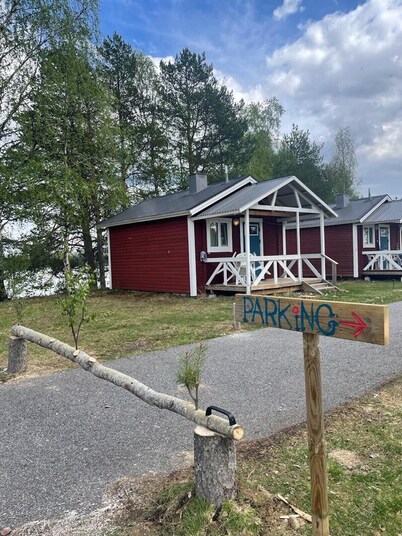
[(145, 393)]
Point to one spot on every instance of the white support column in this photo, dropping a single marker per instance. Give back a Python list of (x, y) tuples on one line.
[(109, 259), (299, 261), (192, 268), (355, 246), (247, 244), (322, 246), (284, 245)]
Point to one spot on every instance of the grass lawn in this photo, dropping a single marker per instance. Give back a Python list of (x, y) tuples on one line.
[(381, 292), (126, 323), (129, 323)]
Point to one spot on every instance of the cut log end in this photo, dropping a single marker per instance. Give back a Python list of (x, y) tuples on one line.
[(237, 432)]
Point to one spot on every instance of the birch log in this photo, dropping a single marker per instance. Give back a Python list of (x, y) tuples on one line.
[(145, 393)]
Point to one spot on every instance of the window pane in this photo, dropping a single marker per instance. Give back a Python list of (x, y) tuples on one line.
[(213, 234), (368, 237), (224, 234)]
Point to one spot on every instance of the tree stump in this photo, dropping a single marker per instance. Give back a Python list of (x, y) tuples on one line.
[(215, 466), (17, 355)]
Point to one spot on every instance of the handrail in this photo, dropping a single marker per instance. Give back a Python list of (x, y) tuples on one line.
[(384, 259), (226, 265), (329, 259)]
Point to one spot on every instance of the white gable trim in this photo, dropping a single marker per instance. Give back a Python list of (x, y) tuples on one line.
[(222, 195), (291, 179), (266, 194), (385, 198)]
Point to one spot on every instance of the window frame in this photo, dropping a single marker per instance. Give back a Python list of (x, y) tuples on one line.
[(219, 248), (371, 244)]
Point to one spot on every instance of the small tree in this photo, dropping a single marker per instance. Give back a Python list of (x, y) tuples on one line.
[(19, 283), (74, 305), (190, 370)]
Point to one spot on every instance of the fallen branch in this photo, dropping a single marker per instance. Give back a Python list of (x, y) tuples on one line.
[(299, 512), (151, 397)]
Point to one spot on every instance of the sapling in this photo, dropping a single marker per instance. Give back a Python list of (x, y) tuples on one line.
[(190, 369), (74, 305)]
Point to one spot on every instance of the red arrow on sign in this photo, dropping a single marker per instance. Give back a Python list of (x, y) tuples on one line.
[(360, 324)]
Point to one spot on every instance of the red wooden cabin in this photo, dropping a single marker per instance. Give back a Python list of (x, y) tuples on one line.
[(224, 236), (365, 239)]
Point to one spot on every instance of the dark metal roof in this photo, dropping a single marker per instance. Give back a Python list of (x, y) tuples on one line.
[(356, 209), (171, 204), (388, 212), (354, 212)]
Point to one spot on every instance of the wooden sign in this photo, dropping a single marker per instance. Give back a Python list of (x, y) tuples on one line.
[(354, 321)]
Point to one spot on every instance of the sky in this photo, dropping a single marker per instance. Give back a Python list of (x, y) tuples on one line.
[(331, 64)]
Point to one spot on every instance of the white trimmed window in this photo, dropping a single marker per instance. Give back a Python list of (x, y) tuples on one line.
[(368, 236), (219, 235)]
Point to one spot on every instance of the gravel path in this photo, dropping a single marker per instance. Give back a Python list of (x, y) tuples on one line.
[(66, 436)]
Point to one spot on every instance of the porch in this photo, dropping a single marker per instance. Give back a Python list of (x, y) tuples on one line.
[(383, 262), (268, 274)]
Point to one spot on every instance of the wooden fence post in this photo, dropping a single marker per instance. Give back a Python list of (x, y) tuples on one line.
[(215, 466), (17, 355), (316, 442)]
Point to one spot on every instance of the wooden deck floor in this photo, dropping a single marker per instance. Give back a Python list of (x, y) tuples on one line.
[(268, 286), (387, 273)]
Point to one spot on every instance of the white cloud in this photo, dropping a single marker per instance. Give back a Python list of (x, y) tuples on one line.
[(346, 69), (289, 7), (249, 94)]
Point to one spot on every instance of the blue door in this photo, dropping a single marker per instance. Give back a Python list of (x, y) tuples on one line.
[(384, 243), (384, 237), (255, 240)]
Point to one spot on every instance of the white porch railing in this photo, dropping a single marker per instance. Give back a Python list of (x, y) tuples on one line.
[(233, 269), (383, 260)]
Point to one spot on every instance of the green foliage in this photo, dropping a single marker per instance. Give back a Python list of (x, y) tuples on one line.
[(69, 137), (74, 305), (19, 281), (342, 168), (300, 156), (263, 119), (206, 124), (190, 369), (143, 144)]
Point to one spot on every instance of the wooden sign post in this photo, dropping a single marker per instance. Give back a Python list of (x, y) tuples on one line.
[(353, 321)]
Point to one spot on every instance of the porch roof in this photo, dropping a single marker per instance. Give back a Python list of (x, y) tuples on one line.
[(269, 196)]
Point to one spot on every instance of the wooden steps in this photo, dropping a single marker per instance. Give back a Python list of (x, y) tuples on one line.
[(317, 286)]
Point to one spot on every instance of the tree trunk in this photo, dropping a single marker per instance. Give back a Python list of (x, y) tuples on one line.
[(3, 291), (17, 355), (215, 466), (99, 246), (89, 256)]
